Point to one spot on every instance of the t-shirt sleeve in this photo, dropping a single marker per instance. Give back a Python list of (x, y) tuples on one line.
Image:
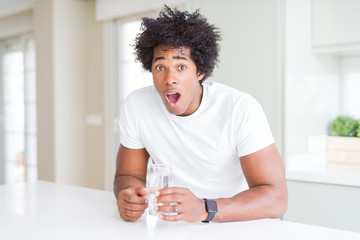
[(251, 128), (129, 125)]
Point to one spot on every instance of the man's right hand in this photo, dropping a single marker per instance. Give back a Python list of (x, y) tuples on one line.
[(132, 202)]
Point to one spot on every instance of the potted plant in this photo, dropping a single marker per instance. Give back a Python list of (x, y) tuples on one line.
[(343, 145)]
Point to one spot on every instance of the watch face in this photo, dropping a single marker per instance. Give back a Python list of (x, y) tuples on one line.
[(212, 206)]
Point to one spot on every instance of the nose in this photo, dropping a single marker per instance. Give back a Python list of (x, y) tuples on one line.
[(170, 77)]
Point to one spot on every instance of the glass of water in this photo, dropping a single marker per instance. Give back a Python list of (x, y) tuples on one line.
[(158, 177)]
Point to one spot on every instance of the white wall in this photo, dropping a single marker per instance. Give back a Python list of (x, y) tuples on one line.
[(96, 140)]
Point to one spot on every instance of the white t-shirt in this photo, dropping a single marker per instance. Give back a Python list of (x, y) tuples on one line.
[(203, 149)]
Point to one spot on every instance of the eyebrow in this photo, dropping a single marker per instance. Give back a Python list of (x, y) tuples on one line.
[(180, 58), (175, 57)]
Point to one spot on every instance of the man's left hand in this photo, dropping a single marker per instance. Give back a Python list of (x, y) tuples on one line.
[(189, 208)]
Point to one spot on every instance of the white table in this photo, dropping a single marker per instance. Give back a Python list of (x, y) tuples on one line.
[(43, 210)]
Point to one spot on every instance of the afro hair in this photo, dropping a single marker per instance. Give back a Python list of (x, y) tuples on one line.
[(179, 29)]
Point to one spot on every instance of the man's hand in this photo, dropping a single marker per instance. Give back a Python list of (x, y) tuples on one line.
[(132, 202), (189, 208)]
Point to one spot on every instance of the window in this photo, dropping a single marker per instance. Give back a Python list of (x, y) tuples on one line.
[(131, 74), (18, 141)]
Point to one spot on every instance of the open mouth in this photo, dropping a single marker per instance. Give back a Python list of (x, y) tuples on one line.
[(173, 97)]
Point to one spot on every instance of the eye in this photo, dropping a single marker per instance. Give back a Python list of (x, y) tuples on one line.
[(159, 68), (181, 67)]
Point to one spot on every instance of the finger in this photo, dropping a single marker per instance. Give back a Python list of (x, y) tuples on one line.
[(134, 207), (125, 213), (172, 218), (168, 209), (169, 198), (131, 213), (128, 218), (124, 206), (122, 202), (134, 198), (172, 190)]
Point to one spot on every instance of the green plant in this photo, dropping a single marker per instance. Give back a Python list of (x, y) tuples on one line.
[(358, 129), (345, 126)]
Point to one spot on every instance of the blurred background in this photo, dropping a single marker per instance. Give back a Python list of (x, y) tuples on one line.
[(67, 65)]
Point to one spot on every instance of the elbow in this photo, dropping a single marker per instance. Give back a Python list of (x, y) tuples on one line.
[(282, 208), (280, 204)]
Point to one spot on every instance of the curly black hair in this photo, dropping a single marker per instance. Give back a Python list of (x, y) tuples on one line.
[(179, 29)]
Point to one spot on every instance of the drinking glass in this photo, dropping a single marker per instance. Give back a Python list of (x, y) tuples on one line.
[(158, 177)]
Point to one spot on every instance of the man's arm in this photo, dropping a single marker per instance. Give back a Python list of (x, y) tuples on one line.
[(129, 182), (265, 198), (267, 193)]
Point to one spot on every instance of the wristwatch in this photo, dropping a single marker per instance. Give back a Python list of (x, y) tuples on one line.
[(211, 208)]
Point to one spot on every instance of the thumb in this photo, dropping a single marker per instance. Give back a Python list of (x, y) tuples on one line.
[(141, 191)]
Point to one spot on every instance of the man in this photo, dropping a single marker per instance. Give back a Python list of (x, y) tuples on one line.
[(225, 165)]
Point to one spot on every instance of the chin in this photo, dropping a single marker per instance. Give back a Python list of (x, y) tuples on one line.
[(175, 111)]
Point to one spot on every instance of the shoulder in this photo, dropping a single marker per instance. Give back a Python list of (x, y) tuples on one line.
[(144, 92), (141, 96), (225, 94), (144, 103)]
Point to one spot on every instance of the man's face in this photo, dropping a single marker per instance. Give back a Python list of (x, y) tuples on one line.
[(176, 79)]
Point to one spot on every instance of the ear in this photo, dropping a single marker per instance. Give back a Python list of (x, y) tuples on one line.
[(200, 76)]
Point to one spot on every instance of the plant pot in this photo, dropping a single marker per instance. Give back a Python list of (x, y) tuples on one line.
[(343, 150)]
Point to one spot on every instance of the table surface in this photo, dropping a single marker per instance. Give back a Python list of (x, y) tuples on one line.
[(44, 210)]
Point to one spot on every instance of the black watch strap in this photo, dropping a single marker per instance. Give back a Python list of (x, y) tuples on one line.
[(211, 208)]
